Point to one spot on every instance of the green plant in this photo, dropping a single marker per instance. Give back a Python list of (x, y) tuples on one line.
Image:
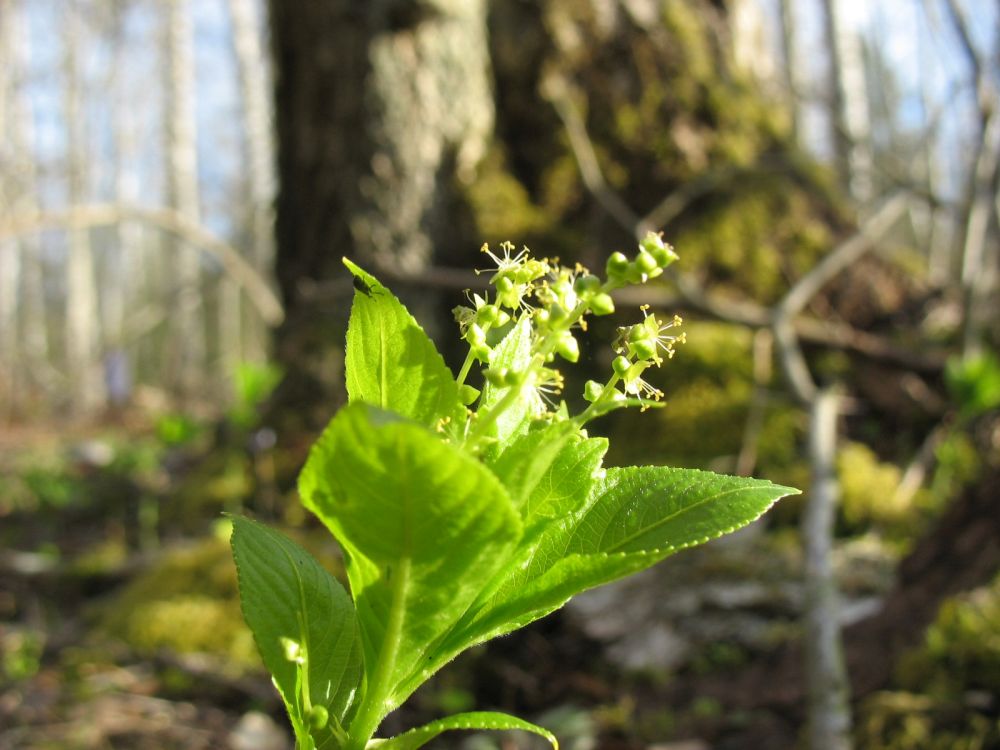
[(974, 383), (253, 383), (466, 513)]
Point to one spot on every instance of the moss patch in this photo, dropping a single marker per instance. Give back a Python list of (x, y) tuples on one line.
[(188, 602)]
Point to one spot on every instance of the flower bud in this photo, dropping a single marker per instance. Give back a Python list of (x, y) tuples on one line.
[(646, 262), (587, 284), (482, 353), (620, 365), (643, 349), (475, 335), (592, 391), (568, 347), (602, 304), (468, 394), (617, 265), (487, 315), (664, 256), (496, 376), (318, 717)]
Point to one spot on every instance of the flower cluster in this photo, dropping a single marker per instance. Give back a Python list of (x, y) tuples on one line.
[(556, 300)]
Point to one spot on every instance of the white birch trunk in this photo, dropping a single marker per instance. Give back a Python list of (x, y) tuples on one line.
[(850, 116), (82, 315), (977, 275), (33, 310), (255, 88), (10, 253), (793, 71), (186, 348), (124, 292)]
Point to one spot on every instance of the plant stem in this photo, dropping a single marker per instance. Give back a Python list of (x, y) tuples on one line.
[(466, 366), (373, 705), (606, 394)]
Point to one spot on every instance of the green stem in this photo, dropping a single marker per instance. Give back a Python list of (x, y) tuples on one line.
[(606, 394), (483, 424), (373, 705), (466, 366)]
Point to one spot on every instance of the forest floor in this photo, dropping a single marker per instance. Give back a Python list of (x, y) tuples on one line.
[(120, 626)]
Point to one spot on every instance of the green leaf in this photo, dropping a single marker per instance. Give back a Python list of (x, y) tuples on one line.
[(514, 354), (636, 517), (289, 597), (527, 460), (549, 484), (474, 720), (423, 525), (390, 361)]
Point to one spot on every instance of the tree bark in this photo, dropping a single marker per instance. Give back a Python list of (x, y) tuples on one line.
[(82, 314), (380, 107), (850, 119), (259, 147), (186, 348)]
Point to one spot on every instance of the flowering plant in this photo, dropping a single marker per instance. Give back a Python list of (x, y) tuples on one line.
[(465, 513)]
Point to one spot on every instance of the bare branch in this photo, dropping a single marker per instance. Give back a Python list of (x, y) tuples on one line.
[(961, 27), (169, 220), (556, 90), (826, 675), (846, 253)]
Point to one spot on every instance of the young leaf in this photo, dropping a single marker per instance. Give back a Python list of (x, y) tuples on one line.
[(550, 472), (527, 459), (423, 525), (636, 517), (390, 361), (289, 600), (493, 720), (513, 353)]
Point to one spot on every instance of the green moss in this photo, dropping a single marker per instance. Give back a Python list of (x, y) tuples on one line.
[(961, 649), (868, 488), (188, 602), (957, 465), (684, 24), (913, 721), (753, 237), (501, 206), (938, 707), (709, 388)]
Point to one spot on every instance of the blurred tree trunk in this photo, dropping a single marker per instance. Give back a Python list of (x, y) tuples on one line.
[(186, 347), (848, 97), (82, 315), (254, 90), (380, 106), (124, 293), (792, 67), (10, 251)]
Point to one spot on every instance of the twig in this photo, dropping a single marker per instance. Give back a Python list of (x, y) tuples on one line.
[(846, 253), (913, 478), (790, 354), (826, 674), (169, 220), (763, 345), (556, 90)]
